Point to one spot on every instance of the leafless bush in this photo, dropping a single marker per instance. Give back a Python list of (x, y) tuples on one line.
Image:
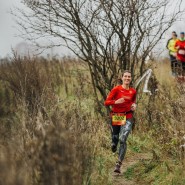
[(109, 36)]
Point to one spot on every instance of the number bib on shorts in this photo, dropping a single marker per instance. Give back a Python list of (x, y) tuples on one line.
[(118, 119)]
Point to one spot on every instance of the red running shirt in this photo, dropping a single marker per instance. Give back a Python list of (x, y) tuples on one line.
[(119, 92), (181, 50)]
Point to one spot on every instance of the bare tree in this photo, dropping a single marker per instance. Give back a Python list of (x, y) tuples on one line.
[(109, 35)]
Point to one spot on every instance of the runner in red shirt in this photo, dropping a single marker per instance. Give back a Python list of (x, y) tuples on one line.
[(122, 99), (180, 46)]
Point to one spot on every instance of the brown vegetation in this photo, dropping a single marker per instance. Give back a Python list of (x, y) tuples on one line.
[(45, 138), (51, 132)]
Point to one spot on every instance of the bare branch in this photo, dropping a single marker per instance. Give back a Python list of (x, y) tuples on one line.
[(109, 35)]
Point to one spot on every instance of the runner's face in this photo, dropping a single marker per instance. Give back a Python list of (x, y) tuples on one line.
[(126, 78), (182, 35), (174, 35)]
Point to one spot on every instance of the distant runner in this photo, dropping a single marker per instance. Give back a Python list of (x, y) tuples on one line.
[(172, 51), (122, 99), (180, 46)]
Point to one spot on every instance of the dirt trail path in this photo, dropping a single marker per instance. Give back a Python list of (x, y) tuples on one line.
[(119, 179)]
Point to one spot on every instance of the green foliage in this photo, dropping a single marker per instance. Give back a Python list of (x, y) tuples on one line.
[(129, 174), (136, 149)]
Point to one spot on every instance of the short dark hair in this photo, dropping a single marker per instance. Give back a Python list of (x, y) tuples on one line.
[(174, 32)]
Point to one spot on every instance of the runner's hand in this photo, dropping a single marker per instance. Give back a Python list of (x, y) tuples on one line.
[(120, 100), (133, 107), (108, 126)]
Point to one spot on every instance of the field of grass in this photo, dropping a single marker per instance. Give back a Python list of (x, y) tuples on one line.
[(51, 132)]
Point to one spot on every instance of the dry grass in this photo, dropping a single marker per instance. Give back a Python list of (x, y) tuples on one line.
[(47, 132), (161, 124), (51, 132)]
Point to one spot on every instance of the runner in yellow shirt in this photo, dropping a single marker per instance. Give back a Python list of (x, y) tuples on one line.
[(172, 50)]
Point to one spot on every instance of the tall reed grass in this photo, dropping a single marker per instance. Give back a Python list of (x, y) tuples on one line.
[(48, 129), (160, 122), (51, 132)]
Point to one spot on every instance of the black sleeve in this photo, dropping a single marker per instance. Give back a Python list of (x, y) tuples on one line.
[(168, 43)]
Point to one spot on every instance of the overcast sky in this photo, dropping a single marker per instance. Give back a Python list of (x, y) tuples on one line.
[(8, 31)]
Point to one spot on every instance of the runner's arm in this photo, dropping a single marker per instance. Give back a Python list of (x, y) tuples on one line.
[(167, 45), (110, 98), (133, 106), (177, 45)]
